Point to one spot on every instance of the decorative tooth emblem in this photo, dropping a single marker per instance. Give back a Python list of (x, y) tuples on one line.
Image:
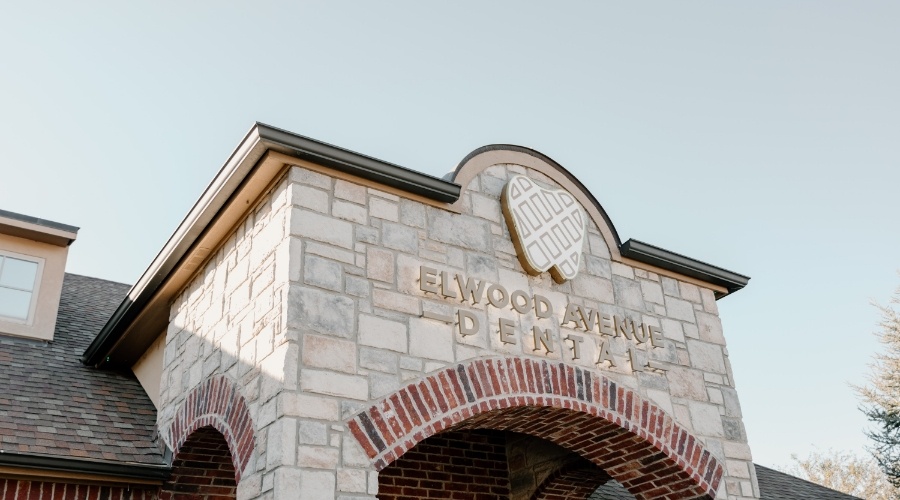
[(547, 228)]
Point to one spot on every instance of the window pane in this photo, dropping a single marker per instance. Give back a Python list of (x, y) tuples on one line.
[(14, 303), (18, 273)]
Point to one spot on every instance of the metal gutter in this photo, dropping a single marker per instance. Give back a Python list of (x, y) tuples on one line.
[(671, 261), (95, 467), (260, 139)]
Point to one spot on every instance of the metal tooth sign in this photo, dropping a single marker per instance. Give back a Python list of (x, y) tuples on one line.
[(547, 228)]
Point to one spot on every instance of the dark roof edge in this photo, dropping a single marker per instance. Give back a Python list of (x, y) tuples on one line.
[(671, 261), (117, 469), (40, 222), (252, 148), (550, 161), (358, 164)]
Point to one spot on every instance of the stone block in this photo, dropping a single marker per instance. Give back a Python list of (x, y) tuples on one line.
[(594, 288), (412, 213), (628, 293), (598, 267), (351, 480), (319, 311), (314, 433), (430, 339), (321, 228), (486, 208), (334, 384), (378, 360), (350, 191), (679, 309), (384, 209), (358, 287), (710, 328), (323, 273), (329, 353), (306, 176), (652, 291), (350, 211), (314, 485), (690, 292), (686, 383), (382, 333), (460, 230), (400, 237), (706, 419), (309, 197), (302, 405), (670, 286), (709, 301), (706, 357), (396, 302), (379, 264), (317, 457), (281, 437), (622, 270)]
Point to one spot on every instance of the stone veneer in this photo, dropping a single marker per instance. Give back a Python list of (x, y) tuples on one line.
[(314, 310)]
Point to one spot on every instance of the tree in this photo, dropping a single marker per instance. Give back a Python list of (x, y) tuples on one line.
[(881, 398), (844, 472)]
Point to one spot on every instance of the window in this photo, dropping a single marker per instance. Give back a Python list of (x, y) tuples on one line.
[(18, 286)]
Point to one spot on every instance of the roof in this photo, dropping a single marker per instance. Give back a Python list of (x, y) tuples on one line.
[(51, 405), (773, 485)]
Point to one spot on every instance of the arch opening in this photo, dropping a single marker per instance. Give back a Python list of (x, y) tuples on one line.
[(202, 469), (633, 440)]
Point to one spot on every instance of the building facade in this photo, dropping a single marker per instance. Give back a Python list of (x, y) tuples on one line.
[(325, 325)]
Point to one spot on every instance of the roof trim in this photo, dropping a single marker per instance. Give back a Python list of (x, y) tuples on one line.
[(40, 222), (81, 466), (260, 139), (677, 263), (33, 228), (550, 161)]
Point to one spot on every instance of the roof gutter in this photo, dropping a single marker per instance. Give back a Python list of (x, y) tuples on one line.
[(133, 471), (259, 140), (677, 263)]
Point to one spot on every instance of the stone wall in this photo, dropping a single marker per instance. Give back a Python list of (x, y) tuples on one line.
[(315, 306)]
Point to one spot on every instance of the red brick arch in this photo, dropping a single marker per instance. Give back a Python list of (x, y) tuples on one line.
[(216, 403), (571, 482), (633, 440)]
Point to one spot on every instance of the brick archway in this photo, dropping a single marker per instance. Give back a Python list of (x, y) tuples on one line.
[(216, 403), (571, 481), (633, 440)]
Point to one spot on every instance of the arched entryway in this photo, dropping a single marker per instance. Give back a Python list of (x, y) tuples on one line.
[(202, 469), (213, 438), (631, 439)]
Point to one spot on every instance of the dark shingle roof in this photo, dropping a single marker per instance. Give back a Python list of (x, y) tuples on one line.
[(51, 404), (773, 485)]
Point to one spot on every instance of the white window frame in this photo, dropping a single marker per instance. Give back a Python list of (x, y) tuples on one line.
[(29, 321)]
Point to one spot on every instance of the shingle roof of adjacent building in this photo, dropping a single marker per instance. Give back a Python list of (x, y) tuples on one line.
[(53, 405), (773, 485)]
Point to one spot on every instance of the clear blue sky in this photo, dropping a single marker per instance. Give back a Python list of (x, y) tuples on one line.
[(759, 136)]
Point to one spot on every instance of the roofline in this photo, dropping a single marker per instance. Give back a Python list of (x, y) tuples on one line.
[(260, 139), (671, 261), (40, 222), (82, 466)]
